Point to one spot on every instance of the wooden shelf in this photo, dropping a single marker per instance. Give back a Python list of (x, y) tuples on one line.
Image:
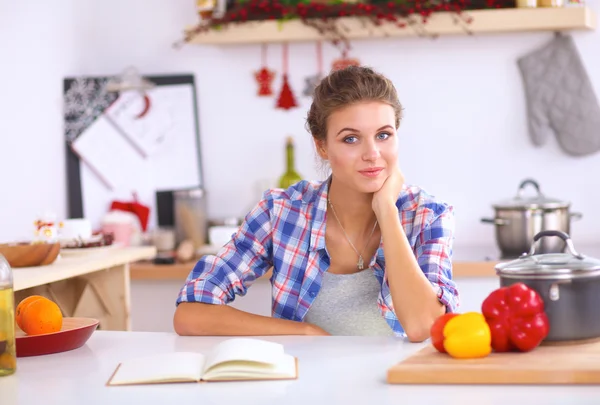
[(443, 23)]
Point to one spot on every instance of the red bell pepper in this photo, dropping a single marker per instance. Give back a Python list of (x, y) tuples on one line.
[(437, 331), (516, 318)]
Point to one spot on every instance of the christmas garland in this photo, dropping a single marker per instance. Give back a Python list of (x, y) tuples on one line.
[(323, 14)]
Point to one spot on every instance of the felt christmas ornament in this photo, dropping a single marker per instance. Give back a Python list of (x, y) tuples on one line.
[(560, 98), (286, 98), (344, 62), (311, 82), (264, 76), (135, 207)]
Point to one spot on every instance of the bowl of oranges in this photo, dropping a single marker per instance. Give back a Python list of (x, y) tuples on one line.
[(42, 328)]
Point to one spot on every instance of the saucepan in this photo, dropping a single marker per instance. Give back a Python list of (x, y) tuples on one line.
[(517, 220), (569, 284)]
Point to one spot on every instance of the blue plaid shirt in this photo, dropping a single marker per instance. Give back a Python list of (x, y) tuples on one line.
[(286, 231)]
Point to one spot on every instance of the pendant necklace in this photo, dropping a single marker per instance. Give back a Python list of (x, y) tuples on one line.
[(361, 263)]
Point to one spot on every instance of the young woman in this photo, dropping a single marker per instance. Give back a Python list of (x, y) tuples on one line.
[(360, 253)]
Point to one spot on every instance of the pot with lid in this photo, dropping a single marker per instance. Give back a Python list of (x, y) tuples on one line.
[(569, 284), (519, 219)]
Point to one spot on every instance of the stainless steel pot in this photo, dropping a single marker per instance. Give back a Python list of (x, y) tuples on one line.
[(519, 219), (569, 284)]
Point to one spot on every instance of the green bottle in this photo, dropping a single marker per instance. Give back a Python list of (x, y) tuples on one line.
[(290, 176)]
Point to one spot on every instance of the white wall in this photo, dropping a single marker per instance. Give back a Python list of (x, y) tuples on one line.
[(464, 137)]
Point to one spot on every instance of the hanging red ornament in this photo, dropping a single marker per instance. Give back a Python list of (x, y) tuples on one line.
[(286, 98), (264, 76), (344, 62)]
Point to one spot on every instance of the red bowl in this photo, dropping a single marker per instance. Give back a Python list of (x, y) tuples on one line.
[(74, 333)]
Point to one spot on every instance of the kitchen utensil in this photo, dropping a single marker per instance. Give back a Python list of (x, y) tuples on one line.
[(164, 240), (29, 254), (121, 232), (124, 226), (545, 365), (220, 235), (569, 284), (74, 333), (138, 209), (191, 221), (75, 228), (517, 221)]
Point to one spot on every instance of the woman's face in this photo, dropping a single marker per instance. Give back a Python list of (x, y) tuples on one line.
[(362, 146)]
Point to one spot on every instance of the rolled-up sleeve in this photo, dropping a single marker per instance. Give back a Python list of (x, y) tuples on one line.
[(433, 251), (217, 279)]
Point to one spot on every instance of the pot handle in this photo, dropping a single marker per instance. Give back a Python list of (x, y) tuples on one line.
[(554, 290), (563, 235), (575, 215), (526, 182), (497, 221)]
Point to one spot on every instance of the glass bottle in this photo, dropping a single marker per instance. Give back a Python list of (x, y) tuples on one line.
[(290, 176), (8, 353)]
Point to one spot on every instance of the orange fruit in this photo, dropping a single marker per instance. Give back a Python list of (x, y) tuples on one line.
[(22, 305), (41, 316)]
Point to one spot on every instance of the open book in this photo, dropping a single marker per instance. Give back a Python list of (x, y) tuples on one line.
[(231, 360)]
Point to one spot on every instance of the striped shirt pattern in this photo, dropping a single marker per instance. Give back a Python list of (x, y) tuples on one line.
[(286, 231)]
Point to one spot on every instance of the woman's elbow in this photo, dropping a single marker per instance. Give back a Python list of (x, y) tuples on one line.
[(417, 335), (418, 332), (179, 324), (185, 319)]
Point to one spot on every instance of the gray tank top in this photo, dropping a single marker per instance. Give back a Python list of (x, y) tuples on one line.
[(347, 305)]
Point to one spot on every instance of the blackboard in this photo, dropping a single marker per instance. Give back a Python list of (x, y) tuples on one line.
[(87, 104)]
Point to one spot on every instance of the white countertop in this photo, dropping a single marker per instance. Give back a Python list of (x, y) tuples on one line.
[(332, 370), (65, 267)]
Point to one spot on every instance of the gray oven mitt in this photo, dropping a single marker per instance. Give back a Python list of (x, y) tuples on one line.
[(560, 97)]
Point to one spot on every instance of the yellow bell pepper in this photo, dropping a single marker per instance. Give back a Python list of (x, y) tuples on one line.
[(468, 336)]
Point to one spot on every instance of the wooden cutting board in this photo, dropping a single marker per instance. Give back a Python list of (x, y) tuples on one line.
[(547, 364)]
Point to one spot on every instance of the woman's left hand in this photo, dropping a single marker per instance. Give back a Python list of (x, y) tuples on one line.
[(388, 193)]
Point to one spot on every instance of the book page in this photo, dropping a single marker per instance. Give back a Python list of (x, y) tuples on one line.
[(245, 350), (285, 368), (160, 368)]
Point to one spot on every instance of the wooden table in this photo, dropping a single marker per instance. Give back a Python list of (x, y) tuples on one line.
[(332, 370), (94, 284)]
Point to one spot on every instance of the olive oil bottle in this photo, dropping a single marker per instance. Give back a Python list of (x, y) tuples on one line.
[(8, 353), (290, 176)]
